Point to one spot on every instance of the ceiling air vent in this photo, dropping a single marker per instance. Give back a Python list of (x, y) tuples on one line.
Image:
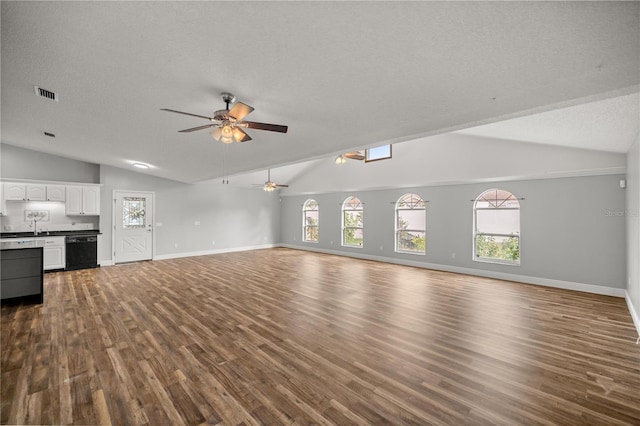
[(48, 94), (51, 135)]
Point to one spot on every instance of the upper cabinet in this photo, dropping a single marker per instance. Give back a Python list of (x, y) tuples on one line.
[(3, 204), (56, 193), (82, 200), (79, 199), (36, 192), (15, 191)]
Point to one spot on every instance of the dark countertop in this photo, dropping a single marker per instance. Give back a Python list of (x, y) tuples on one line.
[(48, 234)]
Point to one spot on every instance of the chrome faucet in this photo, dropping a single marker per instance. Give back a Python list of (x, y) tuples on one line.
[(35, 228)]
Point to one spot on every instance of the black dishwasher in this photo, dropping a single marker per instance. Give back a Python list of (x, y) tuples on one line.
[(81, 252)]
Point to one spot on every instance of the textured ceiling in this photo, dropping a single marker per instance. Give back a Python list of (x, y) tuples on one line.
[(606, 125), (341, 75)]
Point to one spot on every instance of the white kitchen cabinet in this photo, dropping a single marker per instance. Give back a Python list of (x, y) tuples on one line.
[(83, 200), (53, 252), (36, 192), (56, 193), (15, 191), (3, 204)]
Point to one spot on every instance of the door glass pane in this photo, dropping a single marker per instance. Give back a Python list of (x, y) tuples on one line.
[(133, 213)]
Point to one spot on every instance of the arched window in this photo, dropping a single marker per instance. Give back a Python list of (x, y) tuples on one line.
[(310, 221), (352, 222), (411, 224), (496, 227)]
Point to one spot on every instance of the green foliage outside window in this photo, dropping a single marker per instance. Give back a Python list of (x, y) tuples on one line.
[(311, 229), (353, 221), (487, 246), (413, 241)]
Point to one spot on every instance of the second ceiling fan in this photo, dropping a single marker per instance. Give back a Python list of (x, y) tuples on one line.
[(270, 185), (229, 124)]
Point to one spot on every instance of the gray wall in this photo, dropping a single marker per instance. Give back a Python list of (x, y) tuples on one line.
[(633, 229), (572, 229), (20, 163), (232, 217)]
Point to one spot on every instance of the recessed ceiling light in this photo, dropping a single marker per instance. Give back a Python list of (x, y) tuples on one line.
[(141, 165)]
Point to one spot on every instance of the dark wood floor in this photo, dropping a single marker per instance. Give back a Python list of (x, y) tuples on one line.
[(283, 336)]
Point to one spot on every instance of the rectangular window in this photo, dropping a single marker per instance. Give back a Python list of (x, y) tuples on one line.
[(311, 225), (500, 248), (378, 153), (410, 230), (353, 232)]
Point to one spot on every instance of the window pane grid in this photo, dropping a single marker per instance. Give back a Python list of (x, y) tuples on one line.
[(352, 222), (310, 220), (497, 227), (410, 225)]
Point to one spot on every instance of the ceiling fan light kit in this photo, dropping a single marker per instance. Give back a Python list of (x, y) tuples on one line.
[(228, 124), (269, 185)]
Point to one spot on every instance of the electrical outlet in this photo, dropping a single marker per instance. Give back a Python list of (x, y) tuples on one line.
[(8, 227), (175, 245), (196, 223), (453, 255), (213, 243), (380, 248)]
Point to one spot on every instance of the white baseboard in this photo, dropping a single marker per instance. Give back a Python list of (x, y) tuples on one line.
[(207, 252), (633, 312), (109, 262), (568, 285)]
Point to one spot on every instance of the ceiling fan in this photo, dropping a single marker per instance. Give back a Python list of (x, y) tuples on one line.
[(228, 124), (269, 185), (355, 155)]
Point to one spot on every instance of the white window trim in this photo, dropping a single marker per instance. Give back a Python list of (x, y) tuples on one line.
[(475, 233), (395, 225), (304, 222), (344, 228)]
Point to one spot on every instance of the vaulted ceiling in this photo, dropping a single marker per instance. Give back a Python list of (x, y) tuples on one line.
[(341, 75)]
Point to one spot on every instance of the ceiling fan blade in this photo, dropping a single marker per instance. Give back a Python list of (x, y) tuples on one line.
[(193, 129), (265, 126), (185, 113), (282, 186), (354, 155), (217, 133), (240, 111), (240, 135)]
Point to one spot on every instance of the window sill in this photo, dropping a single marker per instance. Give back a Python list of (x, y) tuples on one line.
[(418, 253), (309, 241), (496, 261)]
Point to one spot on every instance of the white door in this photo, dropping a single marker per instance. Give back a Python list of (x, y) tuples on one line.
[(133, 226)]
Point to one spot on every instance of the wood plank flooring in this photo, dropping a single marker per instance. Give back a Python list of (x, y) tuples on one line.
[(283, 336)]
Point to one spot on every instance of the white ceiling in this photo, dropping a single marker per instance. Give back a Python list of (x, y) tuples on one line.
[(606, 125), (341, 75)]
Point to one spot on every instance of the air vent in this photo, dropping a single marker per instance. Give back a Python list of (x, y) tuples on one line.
[(51, 135), (44, 93)]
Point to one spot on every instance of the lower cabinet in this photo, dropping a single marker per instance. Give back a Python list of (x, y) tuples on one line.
[(54, 252), (21, 273)]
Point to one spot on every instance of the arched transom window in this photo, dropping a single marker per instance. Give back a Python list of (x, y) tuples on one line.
[(352, 222), (310, 221), (411, 224), (496, 227)]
